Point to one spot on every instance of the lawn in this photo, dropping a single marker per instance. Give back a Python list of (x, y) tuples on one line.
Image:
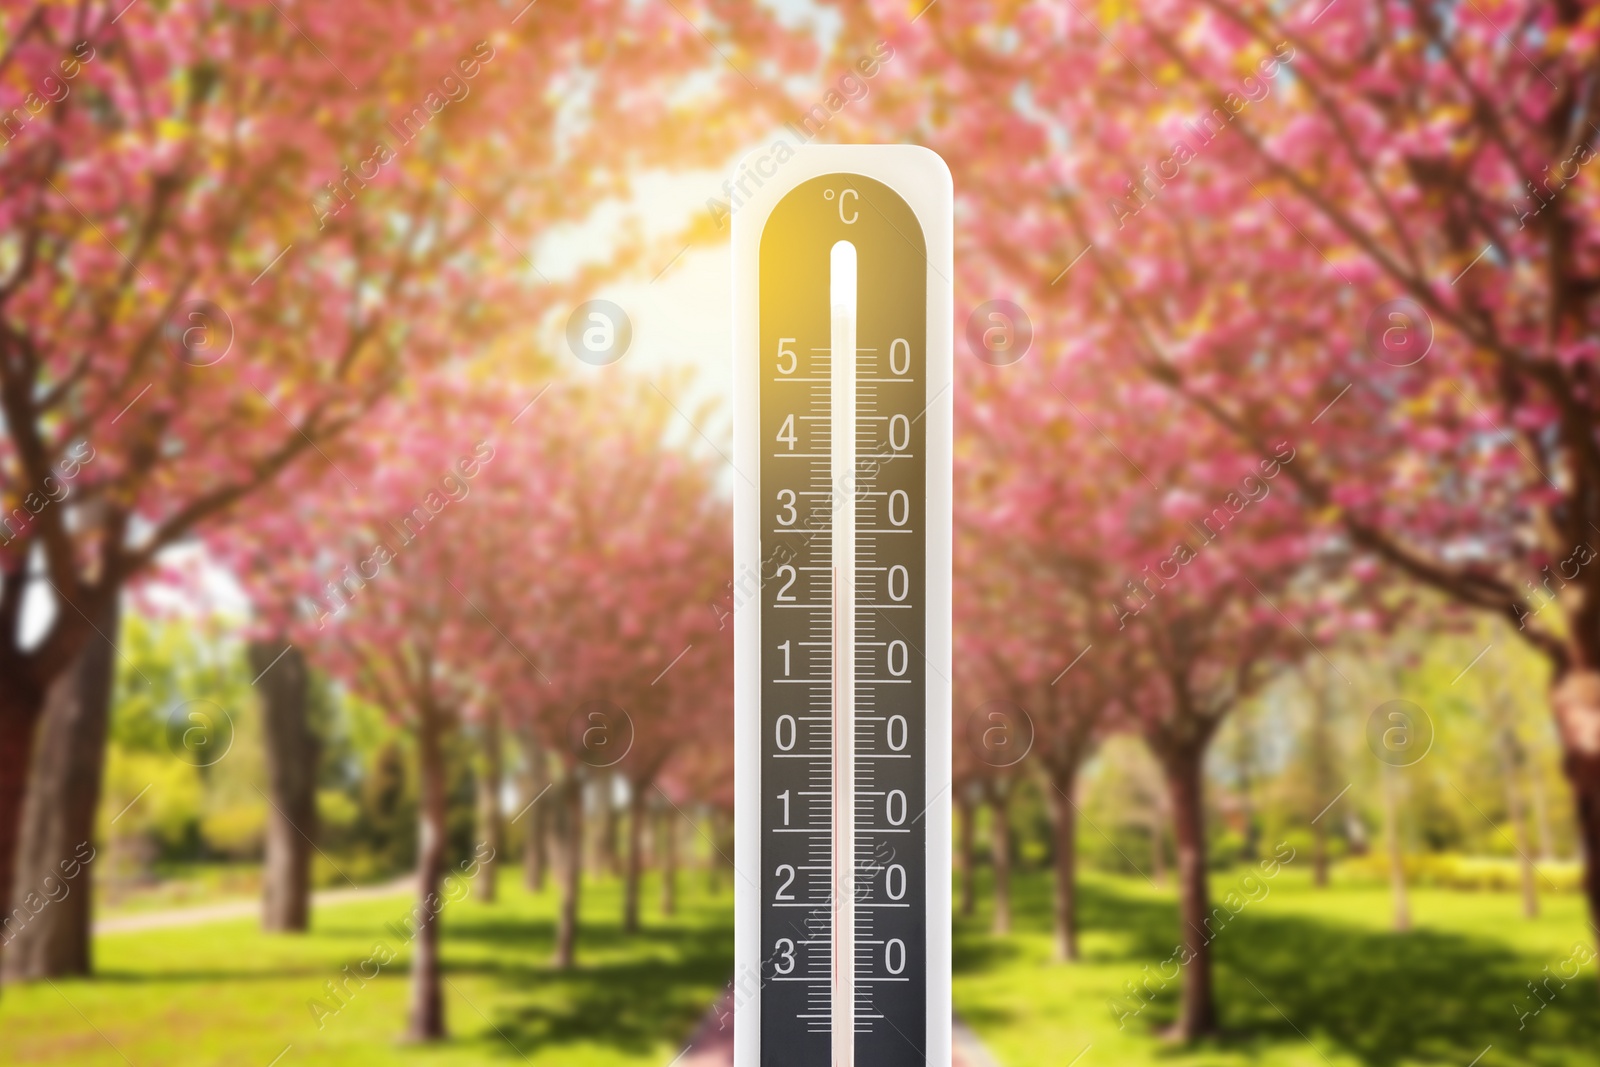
[(1305, 979), (224, 993)]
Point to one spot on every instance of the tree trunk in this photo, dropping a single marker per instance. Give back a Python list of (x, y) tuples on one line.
[(1356, 831), (633, 860), (965, 853), (1541, 815), (63, 796), (1000, 856), (1244, 764), (608, 861), (427, 1003), (491, 818), (1319, 855), (291, 758), (571, 874), (711, 857), (1512, 765), (1197, 1012), (1576, 699), (1064, 820), (20, 711), (669, 863), (1322, 777), (1391, 827), (725, 857), (535, 835), (1158, 847)]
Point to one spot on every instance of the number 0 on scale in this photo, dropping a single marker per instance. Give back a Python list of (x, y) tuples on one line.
[(842, 427)]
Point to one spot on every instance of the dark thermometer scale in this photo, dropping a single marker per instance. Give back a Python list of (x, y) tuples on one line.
[(842, 373)]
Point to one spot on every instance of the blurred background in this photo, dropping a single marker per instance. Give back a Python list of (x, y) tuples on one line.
[(365, 658)]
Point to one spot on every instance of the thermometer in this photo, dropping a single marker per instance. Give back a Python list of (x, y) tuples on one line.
[(842, 428)]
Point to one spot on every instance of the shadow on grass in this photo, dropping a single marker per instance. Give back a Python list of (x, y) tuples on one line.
[(1384, 999), (627, 991)]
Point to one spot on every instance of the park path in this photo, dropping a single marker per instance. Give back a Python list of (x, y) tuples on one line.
[(241, 909)]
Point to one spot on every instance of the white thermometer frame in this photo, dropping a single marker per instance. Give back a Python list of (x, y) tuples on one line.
[(923, 181)]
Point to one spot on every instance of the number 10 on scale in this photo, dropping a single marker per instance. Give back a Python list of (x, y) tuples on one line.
[(842, 377)]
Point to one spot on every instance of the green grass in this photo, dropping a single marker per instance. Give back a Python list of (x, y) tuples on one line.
[(224, 993), (1305, 978), (1344, 991)]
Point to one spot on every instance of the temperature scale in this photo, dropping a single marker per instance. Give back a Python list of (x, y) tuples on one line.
[(842, 437)]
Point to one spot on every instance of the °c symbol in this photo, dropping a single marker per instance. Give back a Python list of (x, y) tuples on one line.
[(854, 215)]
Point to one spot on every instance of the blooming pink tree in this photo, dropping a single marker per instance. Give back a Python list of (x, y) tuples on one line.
[(1366, 230), (559, 571), (1019, 704), (376, 575), (643, 554), (613, 545), (1032, 596), (1217, 594), (1150, 593), (230, 228)]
